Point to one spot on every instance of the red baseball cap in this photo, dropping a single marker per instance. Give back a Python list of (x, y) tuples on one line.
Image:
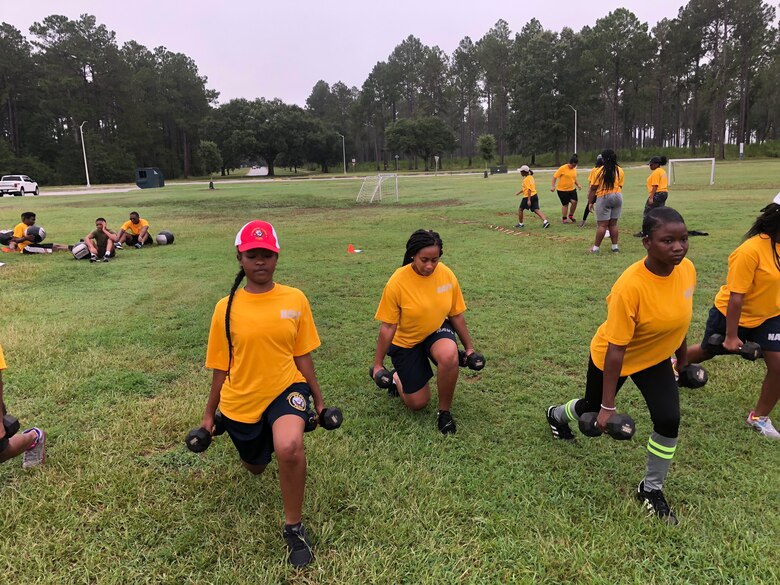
[(257, 234)]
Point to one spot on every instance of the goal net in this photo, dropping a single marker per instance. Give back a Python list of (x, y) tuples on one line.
[(691, 171), (374, 187)]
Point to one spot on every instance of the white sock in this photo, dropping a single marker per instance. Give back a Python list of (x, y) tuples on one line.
[(614, 246), (594, 249)]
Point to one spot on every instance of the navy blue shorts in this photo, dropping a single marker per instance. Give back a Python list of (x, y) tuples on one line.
[(255, 441), (767, 335), (413, 364), (534, 203)]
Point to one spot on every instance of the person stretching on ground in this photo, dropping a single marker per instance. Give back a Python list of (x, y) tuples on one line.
[(25, 244)]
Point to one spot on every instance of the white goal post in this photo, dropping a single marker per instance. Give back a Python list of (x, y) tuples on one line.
[(679, 161), (374, 186)]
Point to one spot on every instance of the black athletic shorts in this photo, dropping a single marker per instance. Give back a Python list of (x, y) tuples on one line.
[(567, 197), (255, 441), (413, 364), (133, 240), (767, 335), (534, 203), (38, 249)]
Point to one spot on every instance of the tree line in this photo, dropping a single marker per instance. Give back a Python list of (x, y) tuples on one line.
[(706, 78)]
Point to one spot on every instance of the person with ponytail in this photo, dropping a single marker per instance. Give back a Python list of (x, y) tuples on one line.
[(421, 311), (605, 199), (649, 310), (747, 308), (259, 349), (566, 177), (530, 198), (657, 186)]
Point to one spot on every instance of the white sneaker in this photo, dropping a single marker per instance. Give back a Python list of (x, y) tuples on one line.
[(546, 224), (763, 426)]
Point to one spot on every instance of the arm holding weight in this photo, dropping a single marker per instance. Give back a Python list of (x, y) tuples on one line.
[(218, 378), (613, 363)]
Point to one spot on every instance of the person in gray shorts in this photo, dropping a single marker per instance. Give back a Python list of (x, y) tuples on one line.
[(605, 199)]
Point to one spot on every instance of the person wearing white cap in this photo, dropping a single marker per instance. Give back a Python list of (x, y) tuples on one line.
[(747, 308), (259, 349), (530, 198)]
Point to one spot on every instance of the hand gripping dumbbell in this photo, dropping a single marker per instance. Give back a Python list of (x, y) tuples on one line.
[(198, 440), (750, 350), (620, 427), (474, 361), (692, 376), (384, 379), (11, 426), (329, 419)]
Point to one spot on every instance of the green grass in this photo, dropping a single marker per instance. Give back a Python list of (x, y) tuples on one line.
[(108, 358)]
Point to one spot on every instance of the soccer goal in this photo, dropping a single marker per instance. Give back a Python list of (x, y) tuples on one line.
[(691, 170), (375, 186)]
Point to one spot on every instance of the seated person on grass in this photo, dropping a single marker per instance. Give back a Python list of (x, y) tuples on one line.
[(135, 232), (31, 442), (26, 244), (100, 242)]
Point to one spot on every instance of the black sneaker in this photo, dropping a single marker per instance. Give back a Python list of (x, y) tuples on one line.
[(94, 258), (559, 430), (298, 545), (655, 502), (445, 422), (106, 258), (139, 245)]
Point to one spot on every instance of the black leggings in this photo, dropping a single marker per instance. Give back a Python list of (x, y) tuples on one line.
[(657, 385)]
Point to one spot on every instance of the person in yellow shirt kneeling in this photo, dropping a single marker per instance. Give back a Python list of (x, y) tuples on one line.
[(259, 349), (421, 311), (747, 309), (648, 313)]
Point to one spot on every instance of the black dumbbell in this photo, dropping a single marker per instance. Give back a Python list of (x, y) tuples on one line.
[(198, 440), (383, 378), (329, 419), (620, 427), (473, 361), (750, 350), (692, 376), (11, 426)]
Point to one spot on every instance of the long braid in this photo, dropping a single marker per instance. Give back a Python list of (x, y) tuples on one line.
[(236, 283), (768, 223), (609, 175), (419, 240)]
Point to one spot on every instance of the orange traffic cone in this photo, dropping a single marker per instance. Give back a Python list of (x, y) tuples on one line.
[(350, 249)]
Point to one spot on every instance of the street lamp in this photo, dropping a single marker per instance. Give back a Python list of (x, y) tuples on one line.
[(575, 128), (84, 150), (343, 152)]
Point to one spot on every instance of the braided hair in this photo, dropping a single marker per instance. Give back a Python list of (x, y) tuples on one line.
[(419, 240), (236, 283), (768, 223), (609, 175)]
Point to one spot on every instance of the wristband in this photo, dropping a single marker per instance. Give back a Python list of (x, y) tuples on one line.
[(608, 408)]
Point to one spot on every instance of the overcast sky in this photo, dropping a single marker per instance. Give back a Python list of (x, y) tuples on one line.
[(282, 48)]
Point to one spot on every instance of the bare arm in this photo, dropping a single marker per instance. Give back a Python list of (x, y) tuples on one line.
[(591, 196), (554, 180), (681, 353), (459, 325), (733, 313), (218, 378), (305, 365), (386, 334), (613, 363)]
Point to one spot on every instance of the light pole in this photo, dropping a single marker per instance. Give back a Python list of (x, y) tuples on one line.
[(575, 128), (343, 152), (84, 150)]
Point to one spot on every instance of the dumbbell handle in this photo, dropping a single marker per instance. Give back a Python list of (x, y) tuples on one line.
[(749, 350)]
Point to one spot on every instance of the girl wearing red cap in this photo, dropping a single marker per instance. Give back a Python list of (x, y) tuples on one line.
[(259, 349)]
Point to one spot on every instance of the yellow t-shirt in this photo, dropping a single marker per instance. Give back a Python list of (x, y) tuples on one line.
[(19, 230), (419, 304), (592, 175), (753, 272), (658, 177), (567, 178), (135, 228), (268, 330), (529, 186), (601, 190), (649, 314), (2, 359)]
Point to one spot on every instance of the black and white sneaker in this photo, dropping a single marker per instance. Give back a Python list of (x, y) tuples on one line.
[(655, 503), (445, 422), (559, 430), (298, 545)]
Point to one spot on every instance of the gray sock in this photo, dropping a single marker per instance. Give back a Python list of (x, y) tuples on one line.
[(660, 451), (565, 413)]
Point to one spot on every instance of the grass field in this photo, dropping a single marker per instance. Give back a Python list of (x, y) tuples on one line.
[(108, 358)]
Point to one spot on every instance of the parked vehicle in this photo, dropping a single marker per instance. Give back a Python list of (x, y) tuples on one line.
[(18, 185)]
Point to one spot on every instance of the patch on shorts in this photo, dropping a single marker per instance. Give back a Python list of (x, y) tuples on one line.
[(297, 401)]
